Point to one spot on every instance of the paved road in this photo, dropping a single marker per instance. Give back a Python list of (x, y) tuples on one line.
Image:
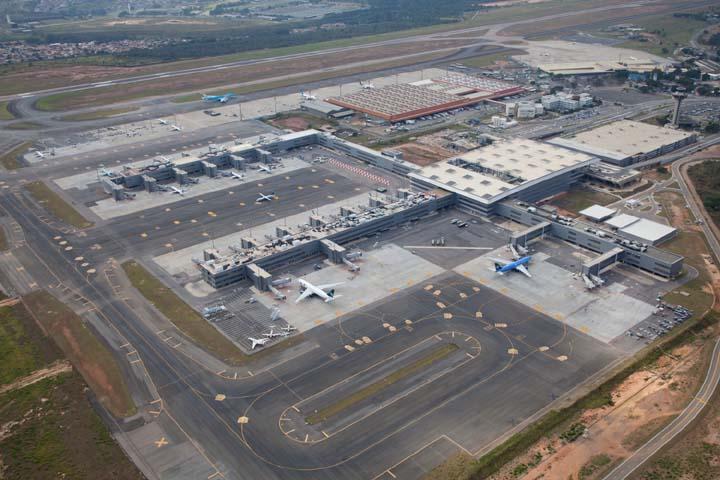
[(695, 407), (667, 434), (492, 35), (679, 171)]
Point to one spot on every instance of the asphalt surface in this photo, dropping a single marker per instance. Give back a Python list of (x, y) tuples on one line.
[(472, 405), (413, 38), (525, 360), (23, 104), (187, 222), (712, 378)]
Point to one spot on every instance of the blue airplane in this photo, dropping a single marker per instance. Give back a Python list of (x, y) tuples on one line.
[(504, 266), (218, 98)]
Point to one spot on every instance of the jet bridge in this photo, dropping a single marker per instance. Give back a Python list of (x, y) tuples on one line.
[(523, 237), (603, 262)]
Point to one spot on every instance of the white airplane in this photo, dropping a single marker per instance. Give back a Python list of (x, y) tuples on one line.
[(289, 328), (366, 85), (326, 292), (258, 341), (40, 154), (274, 334), (176, 128), (106, 173), (163, 122), (307, 96), (264, 168), (179, 191), (236, 175), (265, 198)]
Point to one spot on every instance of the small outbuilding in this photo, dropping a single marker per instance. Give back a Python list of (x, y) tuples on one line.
[(598, 213), (648, 232)]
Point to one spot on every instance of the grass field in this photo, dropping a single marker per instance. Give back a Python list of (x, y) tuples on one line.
[(58, 435), (258, 87), (579, 198), (483, 61), (23, 349), (9, 160), (4, 112), (49, 429), (256, 77), (30, 80), (190, 322), (364, 393), (88, 354), (98, 114), (667, 32), (23, 126), (56, 205)]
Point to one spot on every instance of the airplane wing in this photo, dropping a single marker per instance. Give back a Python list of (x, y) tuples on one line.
[(305, 294), (523, 270), (328, 286), (499, 261)]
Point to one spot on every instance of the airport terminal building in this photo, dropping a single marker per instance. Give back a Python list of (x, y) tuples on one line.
[(626, 142), (519, 169)]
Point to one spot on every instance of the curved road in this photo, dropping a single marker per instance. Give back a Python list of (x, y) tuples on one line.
[(677, 426), (697, 404)]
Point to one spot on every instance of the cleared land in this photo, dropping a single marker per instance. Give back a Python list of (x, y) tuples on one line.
[(9, 160), (694, 454), (561, 425), (374, 388), (87, 354), (690, 242), (98, 114), (56, 205)]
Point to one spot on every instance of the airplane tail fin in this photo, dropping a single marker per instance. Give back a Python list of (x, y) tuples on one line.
[(332, 297)]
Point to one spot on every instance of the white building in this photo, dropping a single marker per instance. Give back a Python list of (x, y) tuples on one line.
[(566, 102), (512, 169), (626, 142), (525, 110)]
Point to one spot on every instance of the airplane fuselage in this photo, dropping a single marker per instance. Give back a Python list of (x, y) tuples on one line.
[(512, 265)]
